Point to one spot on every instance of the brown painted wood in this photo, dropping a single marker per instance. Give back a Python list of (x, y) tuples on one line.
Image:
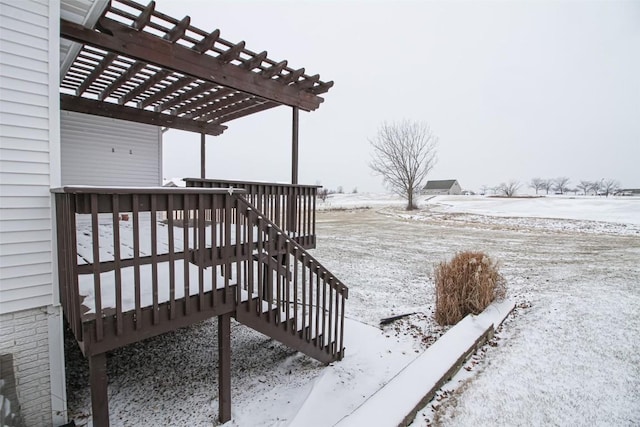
[(98, 382), (97, 71), (124, 78), (146, 85), (255, 62), (294, 144), (149, 48), (176, 84), (123, 112), (224, 367), (145, 17), (203, 157), (178, 30), (232, 53), (207, 42)]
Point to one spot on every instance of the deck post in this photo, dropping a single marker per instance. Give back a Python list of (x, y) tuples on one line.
[(294, 145), (202, 155), (98, 382), (224, 367)]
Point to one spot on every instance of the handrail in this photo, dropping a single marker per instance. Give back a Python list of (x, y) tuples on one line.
[(126, 245), (140, 258), (306, 299), (292, 207)]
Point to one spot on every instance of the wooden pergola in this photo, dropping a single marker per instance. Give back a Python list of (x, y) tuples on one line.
[(141, 65)]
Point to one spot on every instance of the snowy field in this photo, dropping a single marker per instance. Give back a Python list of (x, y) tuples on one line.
[(569, 355)]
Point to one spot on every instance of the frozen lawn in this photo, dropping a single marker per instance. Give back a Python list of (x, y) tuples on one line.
[(569, 355)]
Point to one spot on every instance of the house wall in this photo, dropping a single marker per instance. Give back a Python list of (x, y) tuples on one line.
[(30, 323), (102, 151), (24, 360), (455, 189)]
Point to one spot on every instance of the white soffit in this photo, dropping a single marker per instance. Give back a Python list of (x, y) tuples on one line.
[(85, 12)]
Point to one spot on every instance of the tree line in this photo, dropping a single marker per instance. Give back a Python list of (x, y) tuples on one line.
[(560, 185)]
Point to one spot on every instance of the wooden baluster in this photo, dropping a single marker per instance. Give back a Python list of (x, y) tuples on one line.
[(97, 288)]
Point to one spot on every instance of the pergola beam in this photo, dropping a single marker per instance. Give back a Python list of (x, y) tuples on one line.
[(114, 111), (139, 45)]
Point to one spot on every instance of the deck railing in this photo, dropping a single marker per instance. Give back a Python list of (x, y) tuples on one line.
[(296, 294), (118, 258), (291, 207), (129, 269)]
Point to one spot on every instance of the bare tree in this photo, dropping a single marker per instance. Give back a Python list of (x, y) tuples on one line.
[(609, 186), (323, 193), (403, 154), (584, 186), (547, 184), (561, 184), (483, 189), (509, 189), (537, 184), (595, 187)]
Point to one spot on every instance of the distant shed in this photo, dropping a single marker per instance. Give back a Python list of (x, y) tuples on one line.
[(444, 186)]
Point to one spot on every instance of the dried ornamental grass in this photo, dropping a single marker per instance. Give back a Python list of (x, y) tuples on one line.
[(466, 285)]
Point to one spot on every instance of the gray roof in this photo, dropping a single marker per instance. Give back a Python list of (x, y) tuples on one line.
[(443, 184)]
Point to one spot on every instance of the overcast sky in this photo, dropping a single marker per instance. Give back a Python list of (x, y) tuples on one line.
[(513, 90)]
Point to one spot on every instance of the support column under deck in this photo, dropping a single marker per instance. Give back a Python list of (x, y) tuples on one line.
[(224, 367), (98, 382)]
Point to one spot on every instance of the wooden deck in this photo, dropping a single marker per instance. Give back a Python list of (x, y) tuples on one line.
[(187, 254)]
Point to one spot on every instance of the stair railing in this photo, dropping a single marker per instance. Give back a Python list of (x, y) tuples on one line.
[(288, 287)]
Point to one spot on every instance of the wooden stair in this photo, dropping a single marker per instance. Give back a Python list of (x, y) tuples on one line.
[(290, 296)]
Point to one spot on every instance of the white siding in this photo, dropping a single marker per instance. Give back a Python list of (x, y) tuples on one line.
[(26, 141), (102, 151)]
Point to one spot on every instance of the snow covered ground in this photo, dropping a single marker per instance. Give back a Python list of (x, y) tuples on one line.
[(570, 354)]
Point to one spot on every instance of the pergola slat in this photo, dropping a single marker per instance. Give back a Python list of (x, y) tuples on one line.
[(178, 84), (148, 84), (308, 82), (189, 94), (178, 75), (147, 47), (213, 112), (97, 72), (126, 76), (178, 31), (273, 70), (292, 76), (211, 102), (123, 112), (145, 17), (207, 42), (254, 62), (233, 53)]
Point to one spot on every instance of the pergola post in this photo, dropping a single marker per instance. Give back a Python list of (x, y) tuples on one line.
[(202, 155), (224, 367), (294, 146)]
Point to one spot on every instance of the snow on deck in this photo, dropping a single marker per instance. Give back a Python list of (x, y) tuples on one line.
[(84, 238)]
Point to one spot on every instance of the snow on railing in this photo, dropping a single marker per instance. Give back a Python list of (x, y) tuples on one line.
[(292, 207), (137, 259)]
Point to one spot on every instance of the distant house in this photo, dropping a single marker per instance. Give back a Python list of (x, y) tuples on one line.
[(628, 192), (443, 186)]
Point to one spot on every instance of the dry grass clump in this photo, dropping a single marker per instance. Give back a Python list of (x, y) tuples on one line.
[(466, 285)]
